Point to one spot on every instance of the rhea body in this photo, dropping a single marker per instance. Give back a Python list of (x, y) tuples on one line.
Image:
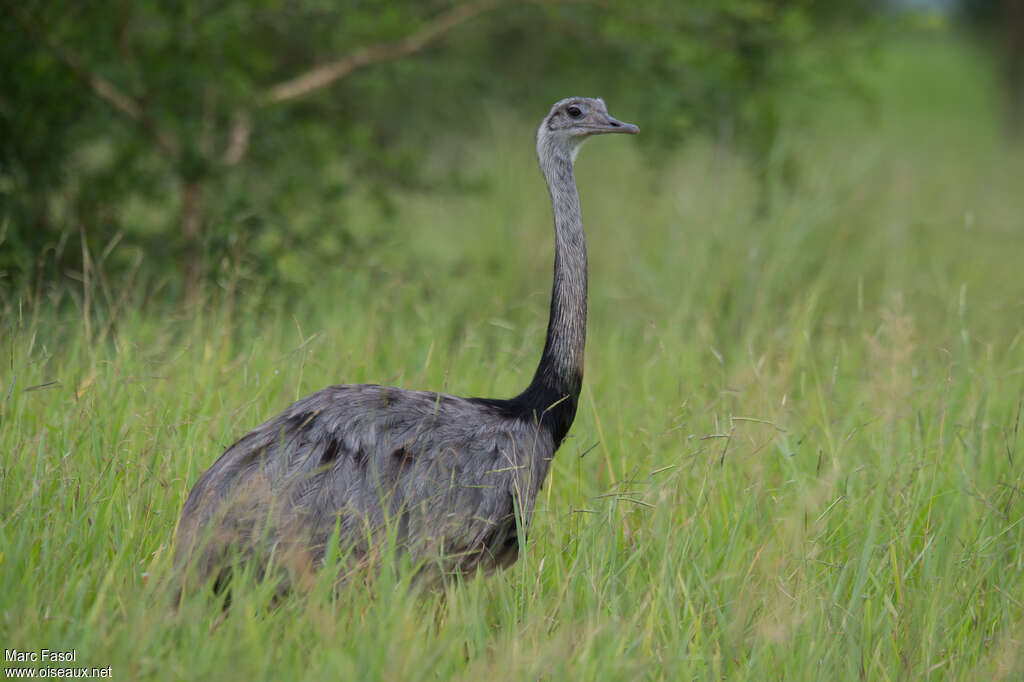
[(446, 478)]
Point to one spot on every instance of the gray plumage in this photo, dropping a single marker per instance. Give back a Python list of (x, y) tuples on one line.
[(443, 477)]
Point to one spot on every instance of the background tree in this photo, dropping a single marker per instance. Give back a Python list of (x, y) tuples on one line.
[(248, 124), (1001, 24)]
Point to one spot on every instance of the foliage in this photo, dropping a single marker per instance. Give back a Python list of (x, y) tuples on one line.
[(797, 457), (1000, 24), (178, 133)]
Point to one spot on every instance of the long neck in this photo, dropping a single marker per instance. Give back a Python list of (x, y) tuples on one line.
[(555, 388)]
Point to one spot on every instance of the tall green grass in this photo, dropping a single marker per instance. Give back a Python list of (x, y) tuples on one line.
[(798, 453)]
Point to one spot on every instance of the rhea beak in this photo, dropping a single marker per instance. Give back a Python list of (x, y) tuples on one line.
[(613, 125), (603, 123)]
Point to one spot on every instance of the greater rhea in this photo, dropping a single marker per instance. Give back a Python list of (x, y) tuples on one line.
[(452, 481)]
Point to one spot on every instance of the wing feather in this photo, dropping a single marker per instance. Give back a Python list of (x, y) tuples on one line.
[(445, 472)]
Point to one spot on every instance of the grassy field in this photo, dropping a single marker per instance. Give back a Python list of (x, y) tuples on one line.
[(799, 452)]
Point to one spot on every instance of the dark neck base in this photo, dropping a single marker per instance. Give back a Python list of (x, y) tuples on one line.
[(551, 403)]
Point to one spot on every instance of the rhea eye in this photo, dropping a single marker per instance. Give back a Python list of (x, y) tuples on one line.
[(574, 111)]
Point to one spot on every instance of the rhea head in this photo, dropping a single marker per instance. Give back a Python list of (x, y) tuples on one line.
[(573, 120)]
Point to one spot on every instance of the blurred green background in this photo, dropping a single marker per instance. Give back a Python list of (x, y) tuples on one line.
[(196, 143)]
